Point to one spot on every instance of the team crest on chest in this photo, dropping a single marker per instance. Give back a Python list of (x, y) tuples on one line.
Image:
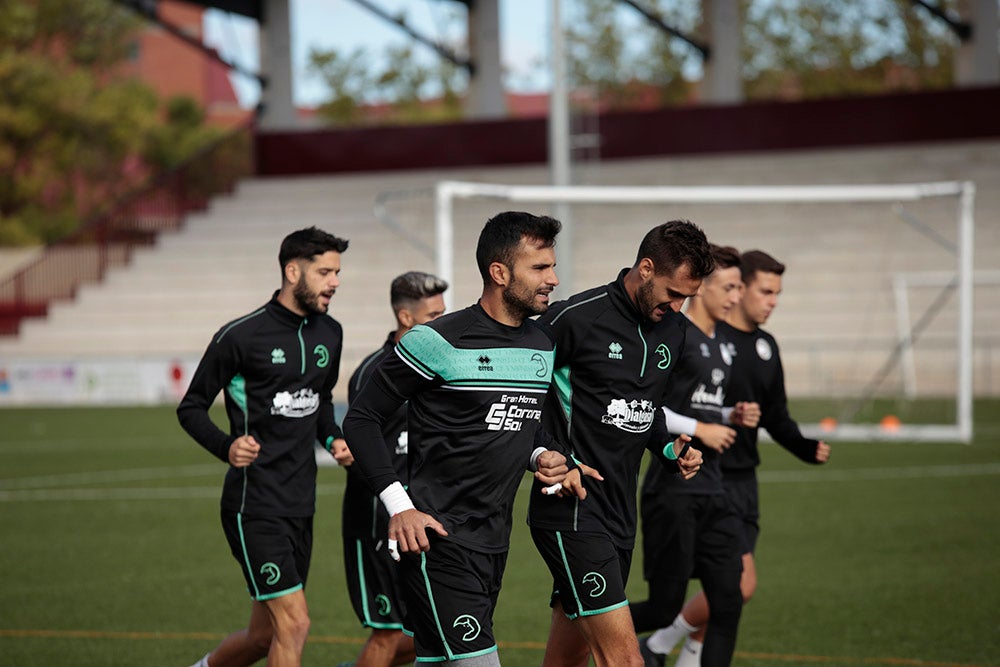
[(763, 349), (726, 353)]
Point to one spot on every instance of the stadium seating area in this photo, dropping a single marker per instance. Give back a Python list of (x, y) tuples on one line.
[(836, 320)]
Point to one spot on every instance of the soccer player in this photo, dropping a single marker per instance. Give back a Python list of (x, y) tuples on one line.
[(278, 366), (616, 349), (372, 576), (689, 527), (476, 381), (757, 375)]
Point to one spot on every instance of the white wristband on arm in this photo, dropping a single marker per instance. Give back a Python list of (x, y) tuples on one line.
[(533, 461), (395, 499), (727, 415), (679, 423)]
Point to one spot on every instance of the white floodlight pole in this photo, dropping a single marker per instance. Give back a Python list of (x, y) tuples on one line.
[(559, 145)]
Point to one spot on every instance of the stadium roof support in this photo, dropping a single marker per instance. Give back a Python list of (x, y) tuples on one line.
[(721, 56), (977, 62)]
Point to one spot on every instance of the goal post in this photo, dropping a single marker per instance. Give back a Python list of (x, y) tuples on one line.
[(447, 193)]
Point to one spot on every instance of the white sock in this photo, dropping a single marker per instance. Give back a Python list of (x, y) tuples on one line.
[(690, 654), (665, 639), (203, 662)]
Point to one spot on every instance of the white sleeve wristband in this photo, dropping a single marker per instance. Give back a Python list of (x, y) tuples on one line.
[(679, 424), (533, 461), (395, 499), (727, 414)]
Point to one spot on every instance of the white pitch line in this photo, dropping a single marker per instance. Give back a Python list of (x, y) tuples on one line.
[(148, 493), (97, 477), (879, 474)]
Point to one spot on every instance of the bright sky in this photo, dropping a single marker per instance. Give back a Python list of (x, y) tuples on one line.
[(346, 25)]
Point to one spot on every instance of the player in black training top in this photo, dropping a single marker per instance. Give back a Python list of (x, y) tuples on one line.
[(689, 527), (476, 382), (372, 576), (277, 367), (617, 346), (757, 375)]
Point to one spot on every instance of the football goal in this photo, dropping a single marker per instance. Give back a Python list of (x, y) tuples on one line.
[(875, 323)]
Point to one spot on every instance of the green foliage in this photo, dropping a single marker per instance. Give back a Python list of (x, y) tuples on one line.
[(821, 48), (402, 84), (348, 77), (74, 133), (792, 49)]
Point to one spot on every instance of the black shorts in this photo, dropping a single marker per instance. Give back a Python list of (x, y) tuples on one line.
[(373, 583), (273, 551), (451, 592), (686, 535), (744, 499), (589, 572)]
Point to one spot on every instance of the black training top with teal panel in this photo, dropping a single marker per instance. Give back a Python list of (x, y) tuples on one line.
[(476, 389)]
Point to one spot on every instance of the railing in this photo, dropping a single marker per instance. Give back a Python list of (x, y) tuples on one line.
[(107, 239)]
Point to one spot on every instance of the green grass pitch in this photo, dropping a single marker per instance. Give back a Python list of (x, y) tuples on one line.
[(112, 553)]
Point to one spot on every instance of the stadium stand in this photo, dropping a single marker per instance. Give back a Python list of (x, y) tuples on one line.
[(838, 289)]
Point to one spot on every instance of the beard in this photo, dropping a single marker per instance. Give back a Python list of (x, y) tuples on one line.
[(307, 299), (644, 300), (520, 301)]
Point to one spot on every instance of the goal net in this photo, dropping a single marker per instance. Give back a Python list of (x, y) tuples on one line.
[(875, 320)]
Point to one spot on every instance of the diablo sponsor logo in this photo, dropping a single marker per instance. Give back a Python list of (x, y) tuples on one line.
[(509, 415), (704, 396), (302, 403), (635, 416)]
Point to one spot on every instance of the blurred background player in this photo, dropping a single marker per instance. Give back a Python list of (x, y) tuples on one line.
[(372, 576), (278, 366), (757, 375), (476, 381), (689, 528), (616, 345)]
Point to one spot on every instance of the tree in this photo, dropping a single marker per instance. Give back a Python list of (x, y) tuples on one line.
[(74, 133), (815, 48), (349, 79), (792, 49)]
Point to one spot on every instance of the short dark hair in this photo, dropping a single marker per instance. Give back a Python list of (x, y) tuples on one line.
[(754, 261), (503, 233), (725, 257), (307, 243), (675, 243), (412, 286)]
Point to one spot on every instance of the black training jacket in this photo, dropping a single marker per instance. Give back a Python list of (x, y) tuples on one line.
[(612, 372), (758, 376), (278, 370)]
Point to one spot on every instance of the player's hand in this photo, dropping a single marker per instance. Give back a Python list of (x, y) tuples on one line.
[(408, 531), (572, 483), (746, 413), (822, 452), (342, 453), (690, 463), (243, 451), (550, 467), (717, 436)]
